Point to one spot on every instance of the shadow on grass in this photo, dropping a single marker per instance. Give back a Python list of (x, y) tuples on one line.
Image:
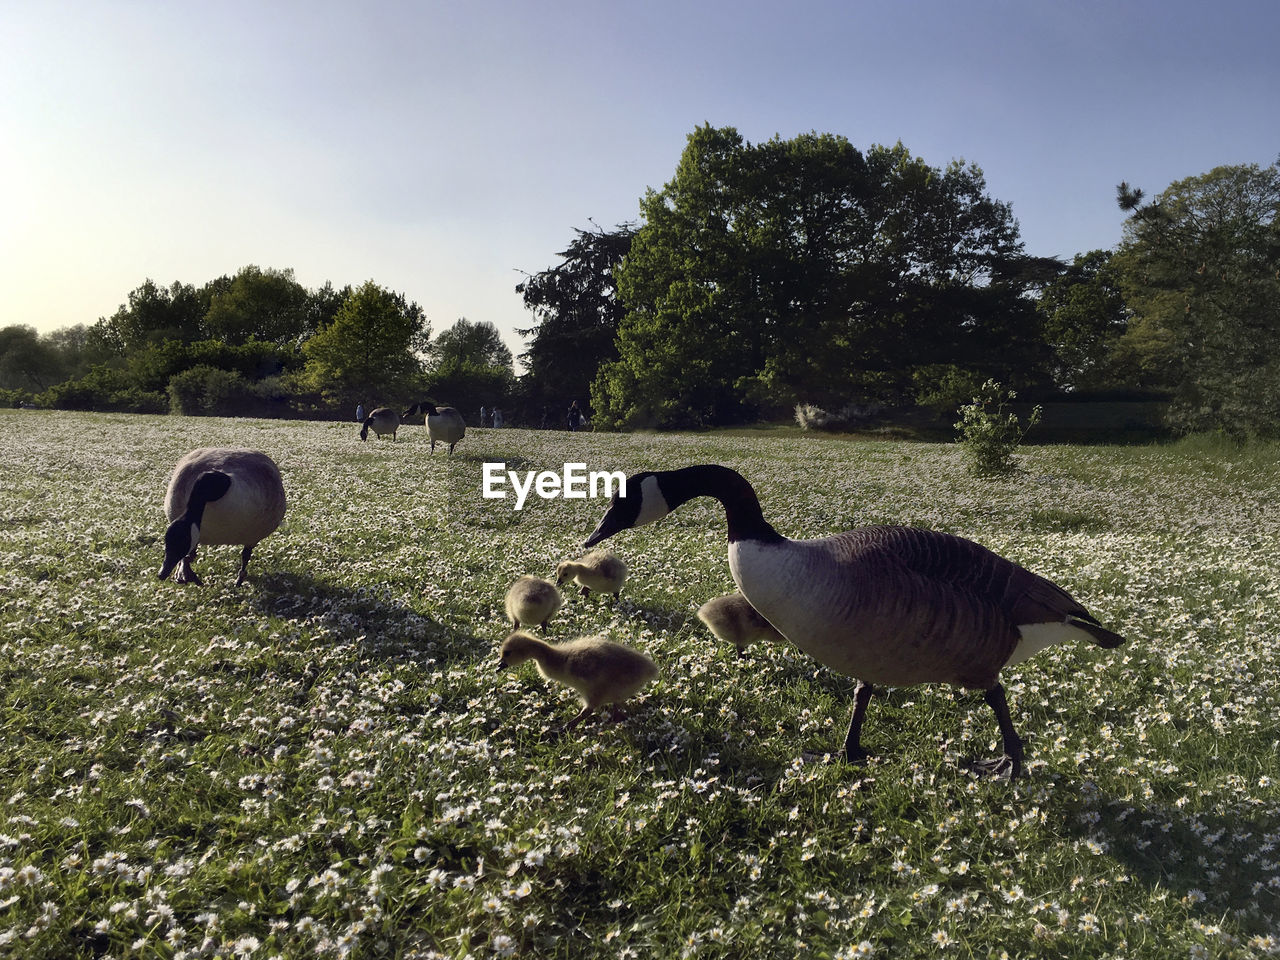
[(1194, 854), (386, 628)]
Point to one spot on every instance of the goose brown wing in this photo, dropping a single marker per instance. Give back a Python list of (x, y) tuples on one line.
[(946, 606), (1024, 597)]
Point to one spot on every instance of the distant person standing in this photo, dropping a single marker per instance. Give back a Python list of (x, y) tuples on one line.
[(497, 418), (574, 417), (483, 413), (359, 413)]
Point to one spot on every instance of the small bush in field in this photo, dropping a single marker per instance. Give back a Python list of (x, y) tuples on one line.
[(989, 433), (810, 417)]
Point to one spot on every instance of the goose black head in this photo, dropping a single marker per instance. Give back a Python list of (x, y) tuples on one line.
[(181, 537), (638, 502)]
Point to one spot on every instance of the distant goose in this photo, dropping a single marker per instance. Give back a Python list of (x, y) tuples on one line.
[(600, 570), (219, 495), (444, 424), (891, 606), (532, 601), (734, 620), (601, 671), (383, 420)]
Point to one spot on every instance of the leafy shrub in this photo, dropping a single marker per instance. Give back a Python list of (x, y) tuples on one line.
[(103, 389), (206, 391), (990, 433), (16, 398)]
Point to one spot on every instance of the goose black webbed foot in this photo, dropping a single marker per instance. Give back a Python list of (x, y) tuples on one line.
[(187, 575), (997, 767)]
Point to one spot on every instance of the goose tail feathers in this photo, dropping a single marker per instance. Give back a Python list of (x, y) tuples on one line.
[(1100, 634)]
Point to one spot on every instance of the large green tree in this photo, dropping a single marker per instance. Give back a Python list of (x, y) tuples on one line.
[(259, 304), (368, 353), (807, 269), (470, 367), (153, 314), (1085, 319), (479, 343), (27, 360), (576, 313), (1200, 266)]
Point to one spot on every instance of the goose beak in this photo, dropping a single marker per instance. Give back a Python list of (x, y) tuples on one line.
[(166, 568), (609, 525), (502, 665)]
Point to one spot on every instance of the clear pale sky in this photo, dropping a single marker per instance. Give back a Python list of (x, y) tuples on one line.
[(440, 149)]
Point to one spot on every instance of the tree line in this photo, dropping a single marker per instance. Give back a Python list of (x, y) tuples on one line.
[(806, 271), (255, 344), (761, 276)]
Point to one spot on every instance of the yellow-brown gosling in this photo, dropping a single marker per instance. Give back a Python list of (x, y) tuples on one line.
[(601, 671), (532, 601), (736, 621), (600, 570)]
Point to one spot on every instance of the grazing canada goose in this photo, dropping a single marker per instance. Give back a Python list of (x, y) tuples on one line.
[(384, 420), (444, 424), (732, 619), (219, 495), (603, 672), (599, 570), (532, 600), (891, 606)]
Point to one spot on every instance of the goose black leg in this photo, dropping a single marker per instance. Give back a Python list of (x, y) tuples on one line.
[(1011, 762), (244, 565), (853, 751)]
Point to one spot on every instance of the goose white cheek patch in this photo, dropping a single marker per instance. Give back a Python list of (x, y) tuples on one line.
[(653, 505)]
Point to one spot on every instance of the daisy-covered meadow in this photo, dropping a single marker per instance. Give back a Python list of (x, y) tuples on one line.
[(325, 761)]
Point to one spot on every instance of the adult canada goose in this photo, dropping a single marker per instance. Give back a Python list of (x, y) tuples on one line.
[(736, 621), (601, 671), (891, 606), (219, 495), (444, 424), (532, 600), (384, 420), (600, 570)]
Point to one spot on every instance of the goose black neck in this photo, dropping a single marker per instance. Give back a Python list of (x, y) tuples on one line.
[(209, 486), (741, 505)]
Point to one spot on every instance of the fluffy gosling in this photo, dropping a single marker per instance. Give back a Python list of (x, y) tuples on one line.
[(601, 671), (599, 570), (736, 621), (532, 601)]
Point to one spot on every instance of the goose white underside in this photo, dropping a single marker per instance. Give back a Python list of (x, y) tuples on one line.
[(1037, 636)]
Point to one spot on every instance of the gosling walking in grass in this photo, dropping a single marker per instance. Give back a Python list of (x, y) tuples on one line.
[(600, 570), (736, 621), (601, 671), (532, 601)]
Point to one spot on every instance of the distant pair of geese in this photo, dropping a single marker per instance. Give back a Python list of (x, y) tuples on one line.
[(888, 605), (444, 424)]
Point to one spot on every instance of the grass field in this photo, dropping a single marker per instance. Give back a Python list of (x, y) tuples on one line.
[(325, 762)]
